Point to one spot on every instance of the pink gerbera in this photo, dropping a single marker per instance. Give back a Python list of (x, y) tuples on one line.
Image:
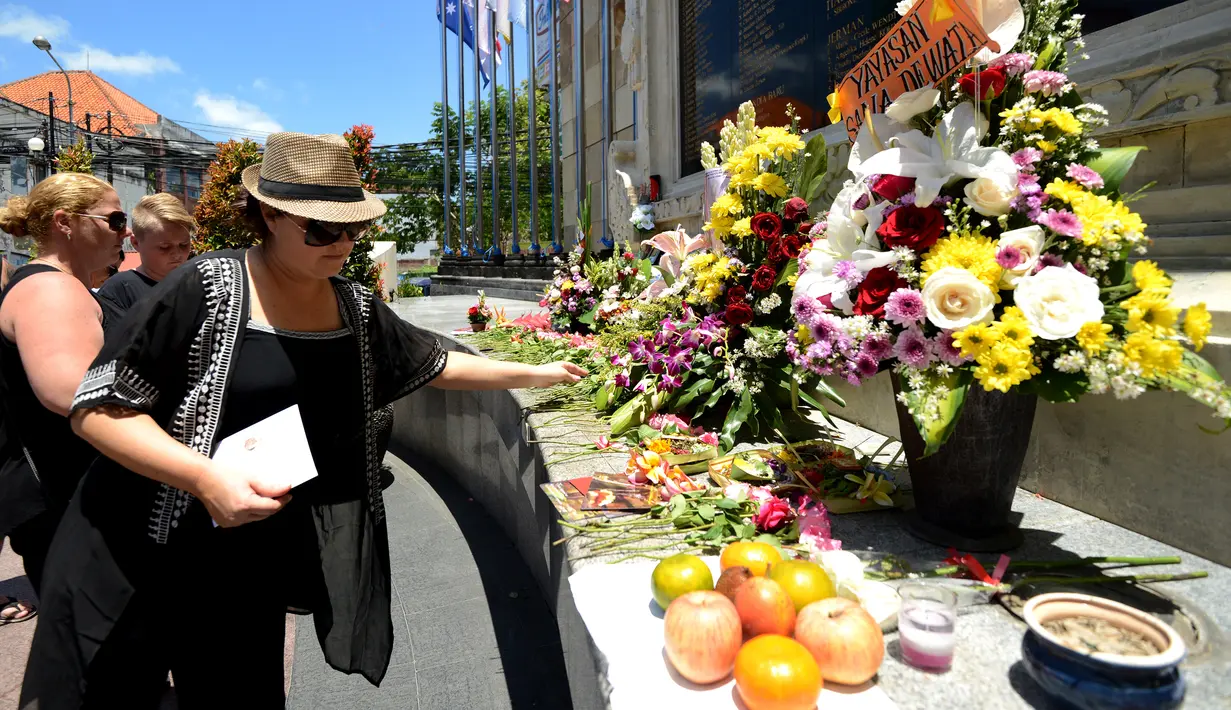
[(905, 307)]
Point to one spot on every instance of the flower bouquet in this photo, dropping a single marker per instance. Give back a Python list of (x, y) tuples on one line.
[(982, 246), (724, 356), (585, 291), (480, 314)]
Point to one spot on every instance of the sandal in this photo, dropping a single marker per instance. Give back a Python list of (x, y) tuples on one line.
[(22, 611)]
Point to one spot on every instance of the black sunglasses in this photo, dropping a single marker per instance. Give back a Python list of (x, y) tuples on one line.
[(322, 234), (117, 221)]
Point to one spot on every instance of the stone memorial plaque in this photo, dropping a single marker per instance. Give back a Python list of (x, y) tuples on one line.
[(770, 52)]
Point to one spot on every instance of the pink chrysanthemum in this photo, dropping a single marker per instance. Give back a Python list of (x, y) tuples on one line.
[(1087, 177), (848, 272), (1061, 222), (942, 347), (1027, 157), (905, 307), (1009, 257), (1047, 260), (818, 229), (913, 348), (1014, 64), (828, 327), (1048, 83), (876, 346), (806, 309)]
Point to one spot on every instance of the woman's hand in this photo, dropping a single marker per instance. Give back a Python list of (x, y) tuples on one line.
[(556, 373), (235, 497)]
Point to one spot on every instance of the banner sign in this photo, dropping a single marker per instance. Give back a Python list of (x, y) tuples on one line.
[(931, 42), (542, 42)]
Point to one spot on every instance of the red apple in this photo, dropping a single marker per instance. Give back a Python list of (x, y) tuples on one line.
[(764, 608), (701, 634), (845, 640)]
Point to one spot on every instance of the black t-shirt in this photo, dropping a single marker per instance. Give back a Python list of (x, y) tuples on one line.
[(125, 289)]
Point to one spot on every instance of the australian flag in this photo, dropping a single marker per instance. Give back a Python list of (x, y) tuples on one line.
[(455, 9)]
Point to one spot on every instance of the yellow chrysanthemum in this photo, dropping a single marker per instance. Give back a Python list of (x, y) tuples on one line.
[(1066, 190), (1014, 314), (1013, 114), (1046, 146), (743, 169), (803, 335), (1015, 331), (974, 340), (659, 446), (1197, 325), (721, 226), (568, 284), (1093, 337), (1003, 366), (1151, 312), (1147, 276), (1155, 357), (759, 151), (742, 227), (726, 205), (791, 280), (971, 251), (781, 142), (771, 184)]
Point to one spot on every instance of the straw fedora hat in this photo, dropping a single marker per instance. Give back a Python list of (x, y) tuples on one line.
[(312, 177)]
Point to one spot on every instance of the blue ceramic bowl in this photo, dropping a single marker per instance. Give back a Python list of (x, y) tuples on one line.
[(1102, 681)]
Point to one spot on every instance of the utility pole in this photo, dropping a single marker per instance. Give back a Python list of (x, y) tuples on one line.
[(110, 144), (89, 140), (51, 133)]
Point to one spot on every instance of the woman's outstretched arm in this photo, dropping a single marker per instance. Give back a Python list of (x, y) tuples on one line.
[(469, 372)]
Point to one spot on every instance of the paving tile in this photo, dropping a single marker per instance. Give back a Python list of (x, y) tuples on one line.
[(451, 633), (475, 684), (337, 691)]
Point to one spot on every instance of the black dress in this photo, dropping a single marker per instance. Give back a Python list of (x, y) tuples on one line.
[(41, 459), (139, 580)]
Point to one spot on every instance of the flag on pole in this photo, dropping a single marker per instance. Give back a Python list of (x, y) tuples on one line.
[(501, 8), (469, 31), (517, 12), (450, 18)]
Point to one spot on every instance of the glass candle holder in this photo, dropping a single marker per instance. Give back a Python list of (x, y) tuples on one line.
[(926, 625)]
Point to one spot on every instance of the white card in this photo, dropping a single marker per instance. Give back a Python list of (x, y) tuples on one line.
[(275, 447)]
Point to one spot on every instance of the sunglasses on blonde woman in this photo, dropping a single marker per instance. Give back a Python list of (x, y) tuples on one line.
[(117, 221)]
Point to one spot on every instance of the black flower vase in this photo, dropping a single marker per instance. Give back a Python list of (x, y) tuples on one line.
[(964, 492)]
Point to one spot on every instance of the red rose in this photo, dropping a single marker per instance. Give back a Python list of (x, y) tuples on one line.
[(473, 311), (985, 84), (776, 254), (875, 290), (736, 294), (891, 187), (805, 228), (763, 279), (766, 225), (740, 313), (911, 226), (795, 208), (791, 244)]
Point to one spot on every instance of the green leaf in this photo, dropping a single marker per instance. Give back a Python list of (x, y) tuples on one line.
[(588, 318), (645, 431), (727, 504), (768, 540), (1198, 363), (603, 396), (707, 512), (812, 176), (713, 400), (633, 413), (698, 388), (1055, 386), (736, 417), (936, 433), (1114, 163), (714, 533), (791, 268), (745, 531)]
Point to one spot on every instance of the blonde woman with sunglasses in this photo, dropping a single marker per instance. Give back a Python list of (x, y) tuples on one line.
[(50, 331), (158, 527)]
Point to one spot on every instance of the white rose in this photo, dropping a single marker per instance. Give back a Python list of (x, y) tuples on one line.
[(841, 566), (912, 103), (991, 195), (954, 299), (904, 7), (1029, 241), (1058, 301)]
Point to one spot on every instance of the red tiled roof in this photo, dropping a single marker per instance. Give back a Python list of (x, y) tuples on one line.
[(91, 94)]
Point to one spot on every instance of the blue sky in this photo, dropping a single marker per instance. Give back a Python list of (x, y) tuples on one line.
[(316, 66)]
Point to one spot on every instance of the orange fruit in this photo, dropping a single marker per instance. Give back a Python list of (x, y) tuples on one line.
[(777, 673), (805, 582), (756, 556), (678, 575)]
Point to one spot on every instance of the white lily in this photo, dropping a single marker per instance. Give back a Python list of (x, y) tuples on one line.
[(676, 245), (872, 138), (850, 235), (1004, 21), (952, 151)]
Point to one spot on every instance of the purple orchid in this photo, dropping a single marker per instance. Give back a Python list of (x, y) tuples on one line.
[(640, 349), (678, 359)]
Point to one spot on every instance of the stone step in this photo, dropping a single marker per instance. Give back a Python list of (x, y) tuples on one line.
[(516, 289)]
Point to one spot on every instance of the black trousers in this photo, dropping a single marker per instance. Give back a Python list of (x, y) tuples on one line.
[(32, 540)]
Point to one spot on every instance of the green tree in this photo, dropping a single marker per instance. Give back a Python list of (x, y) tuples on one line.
[(359, 266), (75, 158), (219, 212), (416, 173)]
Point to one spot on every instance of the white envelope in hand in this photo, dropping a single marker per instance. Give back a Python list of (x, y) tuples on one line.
[(275, 447)]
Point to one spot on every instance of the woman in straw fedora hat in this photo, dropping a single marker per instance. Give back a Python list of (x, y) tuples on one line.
[(225, 341)]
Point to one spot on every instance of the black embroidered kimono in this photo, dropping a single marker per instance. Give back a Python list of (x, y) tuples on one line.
[(174, 357)]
